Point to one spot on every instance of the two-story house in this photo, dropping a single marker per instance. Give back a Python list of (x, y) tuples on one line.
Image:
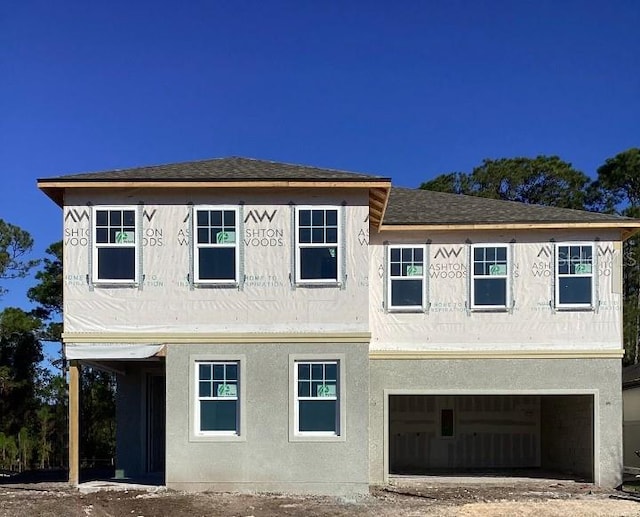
[(289, 328)]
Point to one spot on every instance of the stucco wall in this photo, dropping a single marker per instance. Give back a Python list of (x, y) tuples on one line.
[(505, 376), (265, 459)]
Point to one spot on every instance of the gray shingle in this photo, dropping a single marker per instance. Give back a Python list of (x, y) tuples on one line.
[(413, 206), (221, 169)]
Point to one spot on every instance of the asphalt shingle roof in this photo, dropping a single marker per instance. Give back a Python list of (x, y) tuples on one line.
[(405, 206), (414, 206), (221, 169)]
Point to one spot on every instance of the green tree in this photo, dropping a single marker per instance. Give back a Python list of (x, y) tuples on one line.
[(15, 246), (620, 176), (544, 180), (47, 294)]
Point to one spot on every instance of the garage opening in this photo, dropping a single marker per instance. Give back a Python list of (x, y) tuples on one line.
[(499, 434)]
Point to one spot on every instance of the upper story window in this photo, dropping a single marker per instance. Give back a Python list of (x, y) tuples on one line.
[(490, 277), (574, 276), (216, 245), (115, 246), (317, 245), (407, 280)]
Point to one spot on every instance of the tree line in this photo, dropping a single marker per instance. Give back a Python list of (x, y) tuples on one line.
[(34, 393), (33, 396), (550, 181)]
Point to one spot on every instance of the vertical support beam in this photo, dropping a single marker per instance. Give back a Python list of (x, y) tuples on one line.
[(74, 422)]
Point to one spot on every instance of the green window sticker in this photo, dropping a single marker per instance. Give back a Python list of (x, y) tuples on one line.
[(498, 269), (227, 390), (332, 252), (582, 269), (226, 237), (413, 270), (326, 390), (125, 237)]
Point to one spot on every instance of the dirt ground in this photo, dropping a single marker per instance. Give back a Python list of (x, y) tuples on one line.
[(404, 498)]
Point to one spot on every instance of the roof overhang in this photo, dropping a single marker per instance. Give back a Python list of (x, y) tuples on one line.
[(111, 351), (627, 228), (378, 189)]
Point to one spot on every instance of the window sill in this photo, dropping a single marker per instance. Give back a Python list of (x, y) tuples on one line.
[(407, 310), (216, 285), (311, 437), (318, 285), (218, 438), (115, 284), (575, 308), (490, 309)]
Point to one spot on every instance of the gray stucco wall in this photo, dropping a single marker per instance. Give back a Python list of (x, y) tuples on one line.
[(505, 376), (265, 459)]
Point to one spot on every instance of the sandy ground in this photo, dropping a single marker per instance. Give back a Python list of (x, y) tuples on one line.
[(401, 498)]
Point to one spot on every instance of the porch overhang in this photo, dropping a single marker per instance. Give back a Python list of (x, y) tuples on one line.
[(111, 351)]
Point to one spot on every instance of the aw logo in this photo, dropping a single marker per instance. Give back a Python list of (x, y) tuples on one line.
[(149, 215), (545, 252), (447, 253), (77, 215), (257, 217), (606, 251)]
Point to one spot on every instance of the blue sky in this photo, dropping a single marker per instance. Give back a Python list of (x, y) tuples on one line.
[(405, 89)]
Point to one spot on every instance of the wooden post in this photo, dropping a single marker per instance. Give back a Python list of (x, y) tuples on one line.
[(74, 422)]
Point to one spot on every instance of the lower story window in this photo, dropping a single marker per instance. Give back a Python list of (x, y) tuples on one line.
[(218, 404), (317, 398)]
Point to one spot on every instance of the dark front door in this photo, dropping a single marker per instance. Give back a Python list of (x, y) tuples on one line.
[(155, 422)]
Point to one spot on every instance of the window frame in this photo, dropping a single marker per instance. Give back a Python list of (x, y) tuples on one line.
[(299, 246), (558, 276), (96, 246), (197, 246), (506, 276), (390, 279), (294, 413), (196, 434)]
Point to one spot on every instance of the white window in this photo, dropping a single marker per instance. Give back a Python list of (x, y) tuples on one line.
[(217, 409), (317, 404), (407, 278), (490, 276), (574, 275), (317, 245), (215, 251), (115, 246)]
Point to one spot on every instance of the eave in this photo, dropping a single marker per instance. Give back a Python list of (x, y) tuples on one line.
[(378, 190), (628, 227)]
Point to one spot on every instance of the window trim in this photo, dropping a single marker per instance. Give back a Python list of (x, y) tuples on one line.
[(390, 279), (95, 246), (299, 246), (589, 306), (197, 281), (506, 276), (316, 436), (195, 435)]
